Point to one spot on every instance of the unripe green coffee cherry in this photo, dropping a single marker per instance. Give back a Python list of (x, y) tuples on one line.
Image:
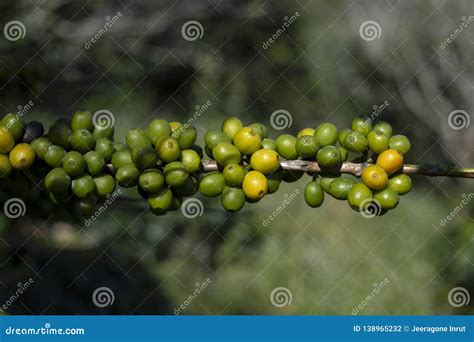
[(57, 181), (387, 198), (400, 183), (358, 195), (383, 127), (175, 173), (231, 126), (190, 160), (103, 132), (158, 128), (82, 141), (60, 134), (74, 163), (377, 141), (40, 145), (234, 174), (260, 129), (151, 181), (314, 194), (212, 184), (269, 144), (342, 135), (328, 156), (188, 188), (127, 175), (326, 133), (286, 145), (105, 184), (82, 120), (212, 138), (121, 158), (340, 187), (160, 202), (168, 149), (105, 148), (355, 142), (362, 125), (307, 147), (15, 125), (137, 138), (82, 185), (274, 181), (144, 157), (225, 153), (400, 143), (54, 156), (95, 163), (232, 199), (186, 137)]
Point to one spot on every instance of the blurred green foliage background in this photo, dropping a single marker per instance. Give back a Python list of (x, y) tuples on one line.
[(319, 69)]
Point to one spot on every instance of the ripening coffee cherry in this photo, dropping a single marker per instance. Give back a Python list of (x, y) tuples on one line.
[(212, 184), (33, 130), (247, 140), (57, 181), (400, 143), (387, 198), (151, 181), (355, 142), (377, 141), (212, 138), (105, 184), (375, 177), (168, 149), (260, 129), (82, 141), (82, 120), (137, 138), (255, 185), (400, 183), (60, 134), (188, 188), (22, 156), (225, 153), (359, 194), (144, 157), (127, 175), (265, 161), (314, 194), (362, 125), (121, 158), (186, 137), (231, 126), (390, 161), (105, 148), (74, 163), (175, 173), (54, 156), (40, 145), (326, 133), (340, 187), (15, 124), (234, 174), (158, 128), (305, 132), (190, 160), (82, 186), (6, 140), (95, 163), (383, 127), (269, 144), (175, 126), (286, 145), (5, 166), (328, 156), (307, 147), (232, 199), (160, 202)]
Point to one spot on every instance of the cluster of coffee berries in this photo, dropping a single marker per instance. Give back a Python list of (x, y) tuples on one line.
[(79, 164), (380, 185)]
